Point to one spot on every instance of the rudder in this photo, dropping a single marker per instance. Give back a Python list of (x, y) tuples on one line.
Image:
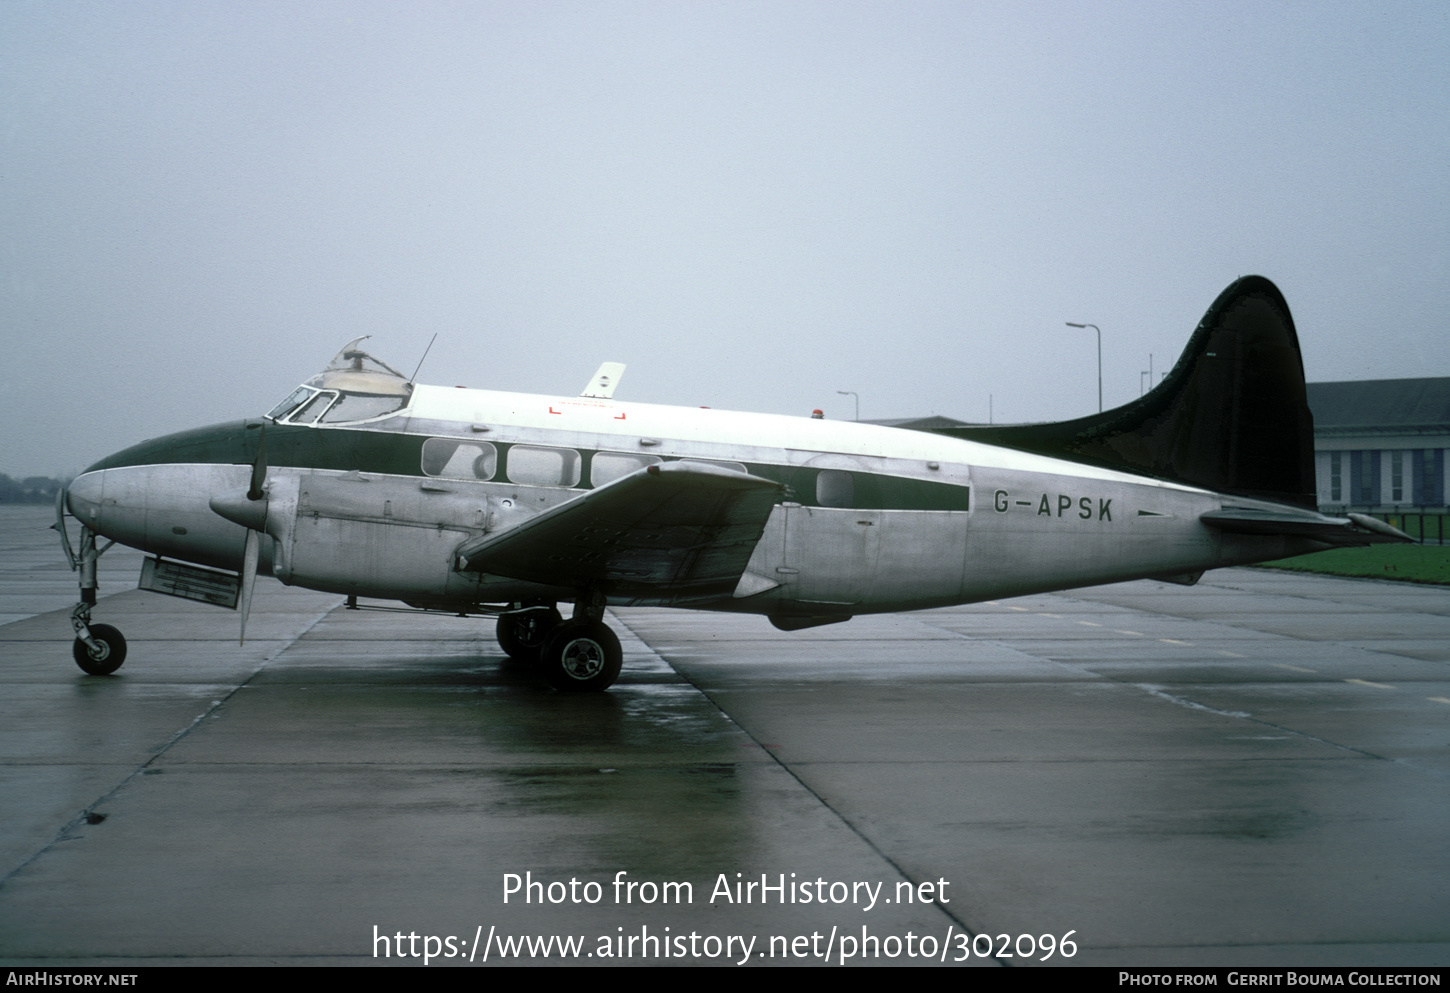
[(1231, 416)]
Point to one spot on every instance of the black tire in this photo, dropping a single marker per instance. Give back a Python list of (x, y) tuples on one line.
[(522, 636), (113, 651), (582, 657)]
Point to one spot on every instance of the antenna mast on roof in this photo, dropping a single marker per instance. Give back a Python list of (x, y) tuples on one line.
[(414, 378)]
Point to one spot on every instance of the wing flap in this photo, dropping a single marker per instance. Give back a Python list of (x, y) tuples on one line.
[(678, 532)]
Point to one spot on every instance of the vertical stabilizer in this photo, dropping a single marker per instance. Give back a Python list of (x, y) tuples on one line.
[(1231, 416)]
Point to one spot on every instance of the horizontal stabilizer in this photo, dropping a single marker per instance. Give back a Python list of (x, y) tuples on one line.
[(679, 532), (1356, 529)]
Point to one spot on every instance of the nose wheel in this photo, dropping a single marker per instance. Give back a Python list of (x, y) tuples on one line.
[(106, 656)]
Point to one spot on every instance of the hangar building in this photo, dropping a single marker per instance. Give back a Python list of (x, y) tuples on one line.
[(1379, 444)]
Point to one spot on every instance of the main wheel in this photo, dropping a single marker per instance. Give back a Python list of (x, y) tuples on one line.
[(582, 656), (522, 636), (109, 658)]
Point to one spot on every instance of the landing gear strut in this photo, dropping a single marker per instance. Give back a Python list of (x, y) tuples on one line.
[(522, 634), (582, 654), (99, 649)]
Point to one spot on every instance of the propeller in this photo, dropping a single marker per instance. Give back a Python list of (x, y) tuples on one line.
[(255, 493), (249, 579)]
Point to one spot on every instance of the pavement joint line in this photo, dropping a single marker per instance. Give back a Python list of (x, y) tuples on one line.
[(771, 752), (1240, 715), (67, 829), (1185, 702), (1086, 674), (1163, 694), (1349, 748)]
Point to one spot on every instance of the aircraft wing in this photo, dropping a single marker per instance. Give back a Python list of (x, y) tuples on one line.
[(678, 532), (1356, 529)]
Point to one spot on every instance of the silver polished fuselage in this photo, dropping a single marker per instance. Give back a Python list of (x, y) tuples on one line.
[(976, 522)]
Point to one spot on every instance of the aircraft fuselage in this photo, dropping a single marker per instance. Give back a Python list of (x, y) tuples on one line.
[(869, 518)]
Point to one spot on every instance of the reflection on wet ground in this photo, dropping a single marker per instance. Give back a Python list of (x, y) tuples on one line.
[(1174, 775)]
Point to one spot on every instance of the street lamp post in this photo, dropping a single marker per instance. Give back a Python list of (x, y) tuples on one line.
[(1100, 358), (852, 393)]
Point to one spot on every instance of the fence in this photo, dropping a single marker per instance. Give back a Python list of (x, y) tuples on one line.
[(1427, 529)]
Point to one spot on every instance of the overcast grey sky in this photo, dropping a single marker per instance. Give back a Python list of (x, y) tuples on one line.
[(754, 205)]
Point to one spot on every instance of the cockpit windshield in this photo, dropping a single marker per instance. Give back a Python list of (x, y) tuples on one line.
[(355, 386)]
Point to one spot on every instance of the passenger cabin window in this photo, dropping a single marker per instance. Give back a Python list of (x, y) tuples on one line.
[(454, 459), (606, 467), (539, 466), (835, 488)]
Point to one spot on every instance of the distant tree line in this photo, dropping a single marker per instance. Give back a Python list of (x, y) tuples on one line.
[(31, 489)]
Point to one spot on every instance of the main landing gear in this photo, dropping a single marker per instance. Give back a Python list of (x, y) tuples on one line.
[(522, 633), (578, 655)]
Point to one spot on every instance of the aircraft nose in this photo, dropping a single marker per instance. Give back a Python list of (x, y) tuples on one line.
[(83, 497)]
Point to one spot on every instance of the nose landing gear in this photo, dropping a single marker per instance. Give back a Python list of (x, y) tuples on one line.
[(99, 649), (106, 656)]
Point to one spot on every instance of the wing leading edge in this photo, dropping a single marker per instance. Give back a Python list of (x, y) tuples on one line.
[(677, 533)]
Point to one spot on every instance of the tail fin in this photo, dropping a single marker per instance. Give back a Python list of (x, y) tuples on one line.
[(1231, 416)]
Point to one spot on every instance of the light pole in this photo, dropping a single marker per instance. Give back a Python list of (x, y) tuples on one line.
[(852, 393), (1100, 358)]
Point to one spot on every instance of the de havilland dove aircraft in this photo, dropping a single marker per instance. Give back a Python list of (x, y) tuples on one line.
[(364, 483)]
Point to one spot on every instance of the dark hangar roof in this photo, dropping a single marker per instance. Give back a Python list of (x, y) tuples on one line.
[(1396, 405)]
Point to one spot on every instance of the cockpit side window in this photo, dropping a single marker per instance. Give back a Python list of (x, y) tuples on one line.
[(282, 409), (312, 409)]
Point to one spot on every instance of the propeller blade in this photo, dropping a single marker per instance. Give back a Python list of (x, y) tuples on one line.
[(249, 580), (259, 467)]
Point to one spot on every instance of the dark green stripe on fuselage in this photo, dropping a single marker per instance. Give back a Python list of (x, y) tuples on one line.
[(396, 454)]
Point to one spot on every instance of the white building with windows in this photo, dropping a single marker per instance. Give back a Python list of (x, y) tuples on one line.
[(1380, 444)]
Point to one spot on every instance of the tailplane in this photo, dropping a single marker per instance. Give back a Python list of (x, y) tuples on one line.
[(1231, 416)]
